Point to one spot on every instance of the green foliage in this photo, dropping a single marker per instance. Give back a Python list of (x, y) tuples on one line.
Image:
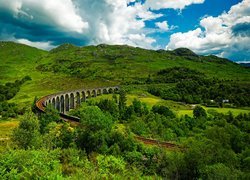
[(122, 103), (110, 165), (58, 136), (163, 110), (94, 119), (9, 90), (177, 74), (110, 106), (139, 107), (218, 171), (30, 164), (198, 89), (199, 112), (8, 110), (27, 134), (50, 115), (97, 125)]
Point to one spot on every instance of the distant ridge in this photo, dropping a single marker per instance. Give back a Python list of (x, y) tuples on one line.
[(245, 64)]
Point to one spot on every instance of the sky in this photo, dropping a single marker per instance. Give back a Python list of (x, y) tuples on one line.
[(218, 27)]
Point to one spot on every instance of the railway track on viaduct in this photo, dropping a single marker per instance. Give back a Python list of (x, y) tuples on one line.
[(64, 101)]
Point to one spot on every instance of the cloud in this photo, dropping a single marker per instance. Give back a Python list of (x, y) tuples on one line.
[(88, 21), (171, 4), (40, 45), (241, 29), (56, 13), (226, 35), (83, 22), (164, 27)]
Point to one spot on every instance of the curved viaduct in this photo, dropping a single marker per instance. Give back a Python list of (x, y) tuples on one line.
[(64, 101)]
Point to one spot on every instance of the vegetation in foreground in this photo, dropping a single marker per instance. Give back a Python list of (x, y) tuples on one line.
[(103, 145)]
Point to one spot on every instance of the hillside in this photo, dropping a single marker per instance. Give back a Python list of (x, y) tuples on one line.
[(69, 67), (124, 63)]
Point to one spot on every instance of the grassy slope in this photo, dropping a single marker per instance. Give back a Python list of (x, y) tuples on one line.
[(103, 65), (19, 60), (124, 62)]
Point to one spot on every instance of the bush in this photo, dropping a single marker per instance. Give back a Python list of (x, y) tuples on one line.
[(27, 134)]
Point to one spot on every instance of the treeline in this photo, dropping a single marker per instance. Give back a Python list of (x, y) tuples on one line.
[(8, 91), (193, 87), (215, 146)]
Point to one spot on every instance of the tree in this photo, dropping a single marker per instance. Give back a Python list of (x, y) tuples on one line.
[(122, 102), (93, 119), (163, 110), (50, 115), (139, 108), (94, 132), (199, 112), (109, 106), (114, 97), (27, 134)]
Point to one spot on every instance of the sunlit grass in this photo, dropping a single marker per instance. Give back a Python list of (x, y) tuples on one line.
[(6, 129), (235, 111)]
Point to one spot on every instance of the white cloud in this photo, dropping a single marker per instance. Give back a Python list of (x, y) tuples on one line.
[(170, 4), (40, 45), (217, 36), (62, 13), (164, 27), (114, 22), (95, 21)]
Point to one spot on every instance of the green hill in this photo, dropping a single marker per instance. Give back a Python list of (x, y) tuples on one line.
[(69, 66), (17, 60), (124, 63)]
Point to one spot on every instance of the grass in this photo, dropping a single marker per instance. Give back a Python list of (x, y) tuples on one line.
[(235, 111), (179, 108), (6, 128)]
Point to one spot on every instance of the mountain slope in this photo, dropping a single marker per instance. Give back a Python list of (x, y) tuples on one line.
[(69, 67), (119, 63), (17, 60)]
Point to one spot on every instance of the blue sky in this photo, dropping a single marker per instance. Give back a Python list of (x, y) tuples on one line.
[(189, 18), (219, 27)]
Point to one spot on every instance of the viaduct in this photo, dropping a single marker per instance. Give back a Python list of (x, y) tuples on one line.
[(64, 101)]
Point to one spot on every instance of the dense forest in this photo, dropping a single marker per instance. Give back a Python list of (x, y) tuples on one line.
[(193, 87)]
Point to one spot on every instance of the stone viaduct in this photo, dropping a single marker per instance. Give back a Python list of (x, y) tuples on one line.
[(64, 101)]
